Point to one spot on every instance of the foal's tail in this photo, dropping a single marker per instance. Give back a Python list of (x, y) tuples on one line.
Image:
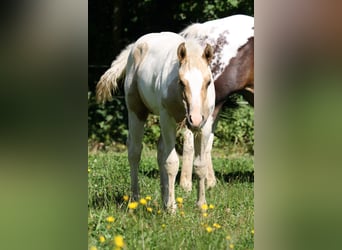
[(109, 80)]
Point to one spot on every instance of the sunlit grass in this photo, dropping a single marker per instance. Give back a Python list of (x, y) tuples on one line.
[(226, 222)]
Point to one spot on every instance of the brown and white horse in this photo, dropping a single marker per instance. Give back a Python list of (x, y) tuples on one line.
[(168, 76), (232, 39)]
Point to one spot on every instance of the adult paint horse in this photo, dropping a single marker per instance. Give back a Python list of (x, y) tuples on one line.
[(232, 39), (169, 76)]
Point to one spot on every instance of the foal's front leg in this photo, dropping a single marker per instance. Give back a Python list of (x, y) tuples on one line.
[(202, 159), (188, 157), (168, 160)]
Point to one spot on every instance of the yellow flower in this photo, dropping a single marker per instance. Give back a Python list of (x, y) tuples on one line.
[(110, 219), (148, 198), (252, 231), (102, 239), (205, 214), (118, 241), (92, 248), (163, 225), (133, 205), (216, 225), (149, 209), (89, 170), (159, 211), (228, 237), (179, 200), (181, 213), (211, 206), (143, 201), (204, 207), (209, 229), (125, 197), (231, 246)]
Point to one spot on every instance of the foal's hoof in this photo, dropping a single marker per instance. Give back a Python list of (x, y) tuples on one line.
[(210, 183), (186, 185), (172, 209)]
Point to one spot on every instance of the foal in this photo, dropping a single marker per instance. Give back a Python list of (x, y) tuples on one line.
[(168, 76)]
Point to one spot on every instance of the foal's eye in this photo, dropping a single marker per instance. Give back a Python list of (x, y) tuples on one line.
[(181, 83), (208, 83)]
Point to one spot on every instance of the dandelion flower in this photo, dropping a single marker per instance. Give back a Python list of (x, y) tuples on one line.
[(125, 197), (102, 239), (216, 225), (231, 246), (92, 248), (211, 206), (181, 213), (118, 241), (133, 205), (159, 211), (143, 201), (205, 214), (228, 237), (209, 229), (163, 225), (204, 207), (252, 231), (148, 198), (149, 209), (110, 219), (179, 200)]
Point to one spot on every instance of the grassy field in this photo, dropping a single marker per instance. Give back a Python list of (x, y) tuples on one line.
[(115, 223)]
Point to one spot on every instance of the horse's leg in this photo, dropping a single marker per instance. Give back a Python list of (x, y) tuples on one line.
[(188, 157), (162, 170), (248, 94), (201, 160), (134, 144), (168, 162), (211, 179)]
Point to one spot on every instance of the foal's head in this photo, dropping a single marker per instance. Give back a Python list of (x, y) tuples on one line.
[(194, 79)]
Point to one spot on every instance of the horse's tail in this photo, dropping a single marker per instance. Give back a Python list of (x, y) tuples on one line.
[(109, 80)]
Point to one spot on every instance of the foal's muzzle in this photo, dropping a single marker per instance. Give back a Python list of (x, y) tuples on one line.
[(195, 123)]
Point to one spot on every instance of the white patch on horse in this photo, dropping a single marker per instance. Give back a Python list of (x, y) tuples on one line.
[(195, 80), (225, 36)]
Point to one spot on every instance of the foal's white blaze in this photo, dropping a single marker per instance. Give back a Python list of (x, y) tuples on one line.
[(194, 78)]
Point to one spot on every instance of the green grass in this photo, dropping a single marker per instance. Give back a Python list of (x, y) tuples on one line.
[(232, 198)]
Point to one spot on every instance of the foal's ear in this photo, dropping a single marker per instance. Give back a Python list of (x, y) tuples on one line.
[(181, 52), (208, 53)]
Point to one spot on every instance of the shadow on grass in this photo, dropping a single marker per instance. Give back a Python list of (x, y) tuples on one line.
[(237, 176)]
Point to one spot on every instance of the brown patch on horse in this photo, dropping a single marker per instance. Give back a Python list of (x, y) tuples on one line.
[(134, 102), (238, 75), (139, 53)]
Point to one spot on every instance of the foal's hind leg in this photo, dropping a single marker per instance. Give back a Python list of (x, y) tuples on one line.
[(134, 144)]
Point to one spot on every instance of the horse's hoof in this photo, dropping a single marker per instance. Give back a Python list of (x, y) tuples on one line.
[(172, 208)]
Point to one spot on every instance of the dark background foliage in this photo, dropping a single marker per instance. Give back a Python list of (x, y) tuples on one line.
[(115, 24)]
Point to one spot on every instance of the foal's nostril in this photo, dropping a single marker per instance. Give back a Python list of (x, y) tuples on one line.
[(196, 121)]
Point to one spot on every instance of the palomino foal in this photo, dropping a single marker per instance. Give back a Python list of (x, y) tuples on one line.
[(168, 76)]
